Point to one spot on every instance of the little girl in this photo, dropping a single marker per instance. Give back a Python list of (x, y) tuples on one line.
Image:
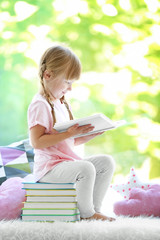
[(55, 159)]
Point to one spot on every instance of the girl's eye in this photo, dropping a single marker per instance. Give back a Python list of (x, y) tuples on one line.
[(68, 82)]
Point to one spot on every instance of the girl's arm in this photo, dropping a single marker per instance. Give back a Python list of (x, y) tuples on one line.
[(39, 139)]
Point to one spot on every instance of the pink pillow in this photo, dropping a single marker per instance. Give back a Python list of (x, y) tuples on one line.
[(11, 197), (141, 202)]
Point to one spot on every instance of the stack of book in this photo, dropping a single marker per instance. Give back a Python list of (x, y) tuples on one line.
[(50, 202)]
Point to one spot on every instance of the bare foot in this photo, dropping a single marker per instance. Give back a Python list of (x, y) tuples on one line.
[(99, 216)]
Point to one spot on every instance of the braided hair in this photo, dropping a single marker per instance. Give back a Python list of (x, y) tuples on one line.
[(60, 60)]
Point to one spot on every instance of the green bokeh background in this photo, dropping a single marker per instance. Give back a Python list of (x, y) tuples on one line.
[(118, 43)]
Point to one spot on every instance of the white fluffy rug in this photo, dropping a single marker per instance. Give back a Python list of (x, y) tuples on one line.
[(123, 228)]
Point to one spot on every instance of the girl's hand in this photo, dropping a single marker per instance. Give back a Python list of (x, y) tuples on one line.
[(76, 129), (84, 139), (54, 131)]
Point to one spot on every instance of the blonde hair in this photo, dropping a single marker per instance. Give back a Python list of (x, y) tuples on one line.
[(60, 60)]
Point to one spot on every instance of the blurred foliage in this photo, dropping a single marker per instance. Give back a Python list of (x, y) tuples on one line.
[(120, 37)]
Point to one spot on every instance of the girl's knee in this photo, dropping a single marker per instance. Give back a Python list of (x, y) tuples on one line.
[(87, 169), (108, 162)]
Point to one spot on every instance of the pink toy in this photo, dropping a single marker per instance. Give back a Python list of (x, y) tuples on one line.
[(11, 197), (132, 182), (141, 202)]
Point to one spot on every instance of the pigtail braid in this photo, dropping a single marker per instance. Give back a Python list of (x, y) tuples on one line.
[(63, 100), (46, 95)]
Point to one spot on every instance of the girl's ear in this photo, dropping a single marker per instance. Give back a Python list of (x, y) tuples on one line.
[(47, 75)]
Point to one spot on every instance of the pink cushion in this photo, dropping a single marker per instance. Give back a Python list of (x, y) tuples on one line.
[(141, 202), (11, 197)]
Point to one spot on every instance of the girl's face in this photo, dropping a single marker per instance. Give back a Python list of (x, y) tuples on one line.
[(58, 86)]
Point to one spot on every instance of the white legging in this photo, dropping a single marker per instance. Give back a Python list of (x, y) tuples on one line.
[(92, 177)]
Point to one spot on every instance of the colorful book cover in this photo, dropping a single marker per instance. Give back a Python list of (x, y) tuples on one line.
[(50, 211), (38, 185), (51, 192), (50, 205), (51, 198), (40, 217)]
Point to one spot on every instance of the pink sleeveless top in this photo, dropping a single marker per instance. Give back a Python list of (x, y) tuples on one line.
[(39, 112)]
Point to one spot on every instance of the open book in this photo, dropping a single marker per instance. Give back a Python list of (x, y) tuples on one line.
[(99, 121)]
